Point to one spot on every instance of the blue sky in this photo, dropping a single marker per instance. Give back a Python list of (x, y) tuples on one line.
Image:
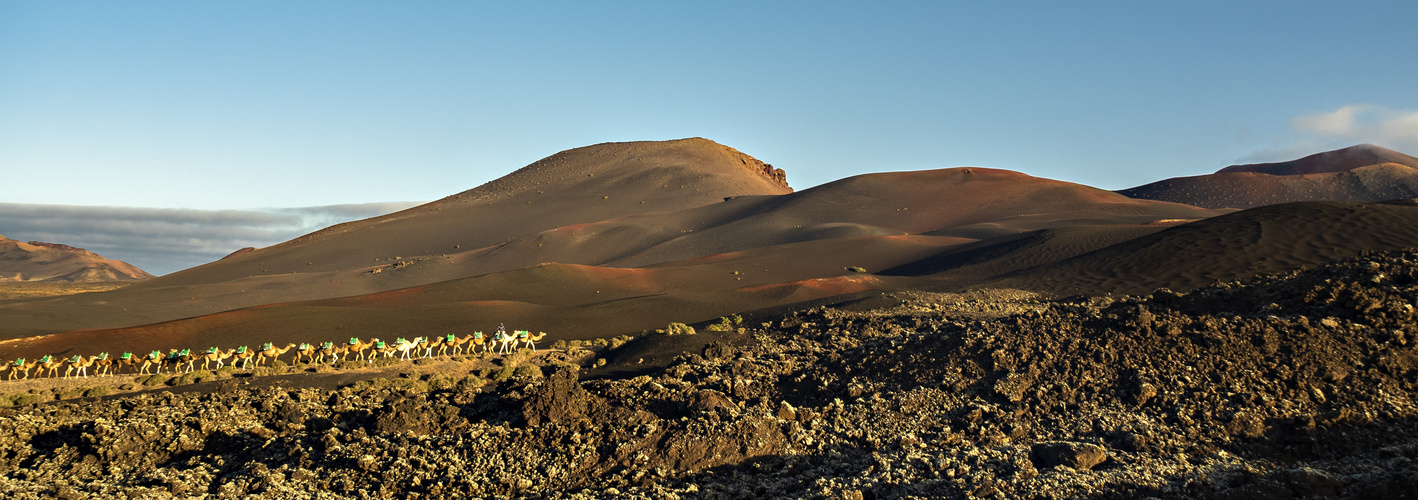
[(253, 105)]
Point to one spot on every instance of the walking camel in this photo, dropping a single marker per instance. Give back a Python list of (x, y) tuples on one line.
[(358, 348), (506, 343), (305, 351), (530, 340), (20, 367), (81, 365), (271, 352), (405, 347), (215, 354), (243, 355), (331, 351), (48, 364)]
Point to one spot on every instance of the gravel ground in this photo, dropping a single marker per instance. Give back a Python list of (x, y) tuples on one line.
[(1286, 386)]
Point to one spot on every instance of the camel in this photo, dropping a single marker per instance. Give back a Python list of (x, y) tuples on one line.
[(49, 364), (358, 348), (428, 347), (78, 362), (459, 342), (215, 354), (127, 359), (176, 359), (405, 347), (21, 367), (527, 338), (478, 341), (243, 355), (306, 351), (506, 343), (270, 351), (152, 359), (103, 364), (383, 349), (453, 341), (332, 351)]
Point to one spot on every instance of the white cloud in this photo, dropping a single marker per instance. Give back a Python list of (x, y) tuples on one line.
[(1344, 127), (161, 241)]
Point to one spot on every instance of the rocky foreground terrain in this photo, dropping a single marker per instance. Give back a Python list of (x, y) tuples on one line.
[(1296, 385)]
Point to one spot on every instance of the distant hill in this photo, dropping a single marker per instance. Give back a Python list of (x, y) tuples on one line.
[(39, 261), (1363, 173)]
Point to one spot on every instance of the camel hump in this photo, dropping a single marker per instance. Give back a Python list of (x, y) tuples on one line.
[(76, 358), (45, 359), (354, 340)]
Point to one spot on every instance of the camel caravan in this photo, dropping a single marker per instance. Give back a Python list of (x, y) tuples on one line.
[(185, 360)]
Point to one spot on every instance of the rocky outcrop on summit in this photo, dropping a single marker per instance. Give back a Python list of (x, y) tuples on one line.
[(39, 261)]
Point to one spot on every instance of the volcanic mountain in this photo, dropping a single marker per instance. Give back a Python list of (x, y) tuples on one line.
[(1358, 173), (622, 274), (39, 261), (618, 238)]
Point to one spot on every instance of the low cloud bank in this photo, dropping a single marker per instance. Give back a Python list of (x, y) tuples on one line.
[(164, 240)]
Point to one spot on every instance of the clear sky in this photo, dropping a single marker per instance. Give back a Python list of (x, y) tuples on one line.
[(252, 105)]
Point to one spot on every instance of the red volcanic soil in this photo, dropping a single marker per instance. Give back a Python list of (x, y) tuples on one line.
[(39, 261), (1360, 173)]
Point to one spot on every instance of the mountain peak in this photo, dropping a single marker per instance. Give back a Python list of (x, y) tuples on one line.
[(1339, 160)]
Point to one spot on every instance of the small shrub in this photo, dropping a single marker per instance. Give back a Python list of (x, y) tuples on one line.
[(600, 342), (679, 329), (485, 373), (383, 362), (441, 383), (505, 374), (263, 371), (600, 362), (575, 344), (349, 364), (528, 371), (620, 341), (28, 399), (425, 361), (226, 371), (152, 380), (856, 269), (560, 344), (472, 382), (99, 391), (189, 378), (128, 387)]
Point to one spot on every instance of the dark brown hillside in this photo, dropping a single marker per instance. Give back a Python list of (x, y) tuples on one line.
[(1235, 246), (1361, 173)]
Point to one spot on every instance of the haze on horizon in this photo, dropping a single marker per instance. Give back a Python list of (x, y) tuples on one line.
[(205, 108)]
